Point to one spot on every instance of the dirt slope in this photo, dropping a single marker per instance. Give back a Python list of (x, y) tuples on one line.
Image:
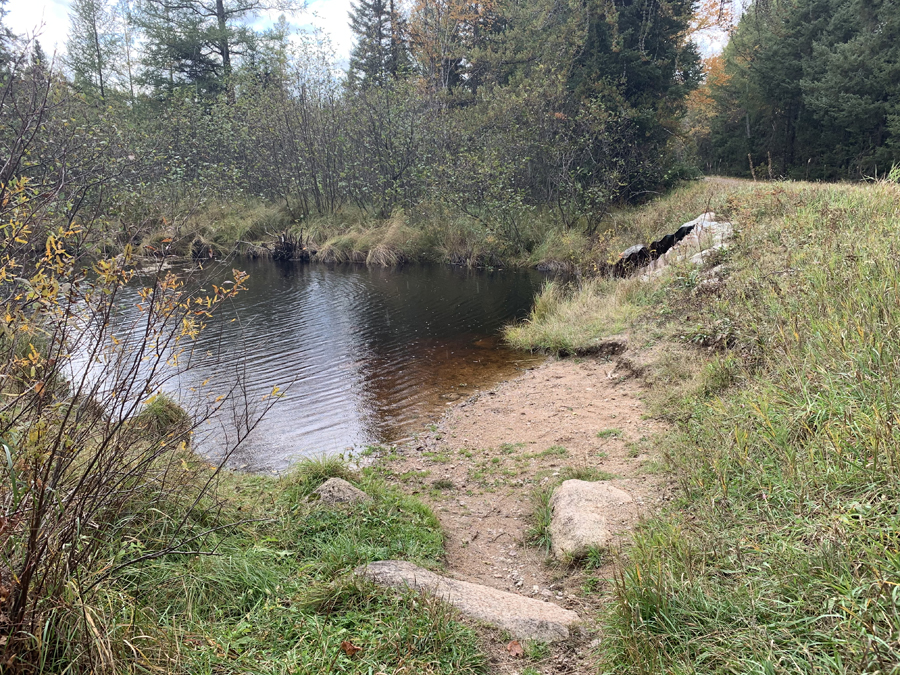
[(479, 467)]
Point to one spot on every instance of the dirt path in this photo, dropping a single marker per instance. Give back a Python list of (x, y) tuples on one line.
[(480, 466)]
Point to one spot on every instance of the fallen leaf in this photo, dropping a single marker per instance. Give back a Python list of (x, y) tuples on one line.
[(349, 648), (515, 649)]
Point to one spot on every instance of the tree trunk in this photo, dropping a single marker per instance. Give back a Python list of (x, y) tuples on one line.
[(99, 55), (223, 48)]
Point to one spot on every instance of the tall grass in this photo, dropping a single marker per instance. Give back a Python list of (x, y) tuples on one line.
[(275, 592), (572, 319), (783, 553)]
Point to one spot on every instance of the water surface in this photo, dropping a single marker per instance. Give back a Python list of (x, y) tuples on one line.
[(364, 355)]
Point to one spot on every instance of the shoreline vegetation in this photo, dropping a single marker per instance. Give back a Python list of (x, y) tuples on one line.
[(778, 375), (258, 230), (778, 551)]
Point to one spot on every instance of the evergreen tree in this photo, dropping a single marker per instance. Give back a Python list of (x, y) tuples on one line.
[(6, 37), (812, 89), (380, 53), (92, 45), (194, 44), (635, 67), (634, 51)]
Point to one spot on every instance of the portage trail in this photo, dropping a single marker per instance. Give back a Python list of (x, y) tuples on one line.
[(480, 467)]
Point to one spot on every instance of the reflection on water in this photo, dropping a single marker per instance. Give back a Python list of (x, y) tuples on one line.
[(364, 355)]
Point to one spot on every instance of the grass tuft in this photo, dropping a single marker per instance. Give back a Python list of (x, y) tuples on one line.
[(539, 533)]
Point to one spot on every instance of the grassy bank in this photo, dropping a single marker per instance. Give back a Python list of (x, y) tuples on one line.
[(782, 554), (270, 591), (428, 233)]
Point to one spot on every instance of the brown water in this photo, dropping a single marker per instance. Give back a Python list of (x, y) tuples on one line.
[(363, 355)]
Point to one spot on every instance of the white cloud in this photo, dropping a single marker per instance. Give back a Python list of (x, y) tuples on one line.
[(49, 19), (332, 16)]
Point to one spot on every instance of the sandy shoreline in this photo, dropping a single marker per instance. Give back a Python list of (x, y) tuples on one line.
[(480, 465)]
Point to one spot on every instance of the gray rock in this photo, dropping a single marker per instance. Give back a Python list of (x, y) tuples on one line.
[(339, 491), (524, 618), (582, 516), (706, 238)]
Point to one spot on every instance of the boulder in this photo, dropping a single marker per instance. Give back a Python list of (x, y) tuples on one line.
[(583, 516), (524, 618), (338, 491)]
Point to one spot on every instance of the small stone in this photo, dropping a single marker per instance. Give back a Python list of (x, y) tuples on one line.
[(338, 491)]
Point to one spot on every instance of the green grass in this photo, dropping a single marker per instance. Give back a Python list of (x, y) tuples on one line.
[(277, 594), (609, 433), (538, 534), (587, 473), (552, 451), (781, 553)]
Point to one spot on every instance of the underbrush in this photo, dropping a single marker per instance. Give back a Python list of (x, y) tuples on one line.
[(434, 232), (782, 554)]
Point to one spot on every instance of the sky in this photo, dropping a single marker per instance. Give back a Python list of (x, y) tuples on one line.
[(50, 18)]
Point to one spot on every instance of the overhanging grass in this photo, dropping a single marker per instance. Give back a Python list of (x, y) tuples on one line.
[(783, 554)]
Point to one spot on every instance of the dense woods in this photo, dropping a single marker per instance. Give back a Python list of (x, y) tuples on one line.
[(806, 89)]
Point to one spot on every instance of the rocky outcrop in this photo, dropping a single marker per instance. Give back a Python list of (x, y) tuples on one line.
[(583, 516), (706, 238), (524, 618), (338, 491), (693, 240)]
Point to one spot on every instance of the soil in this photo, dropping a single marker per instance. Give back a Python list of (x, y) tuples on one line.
[(481, 465)]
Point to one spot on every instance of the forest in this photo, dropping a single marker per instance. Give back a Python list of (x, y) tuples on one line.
[(483, 113)]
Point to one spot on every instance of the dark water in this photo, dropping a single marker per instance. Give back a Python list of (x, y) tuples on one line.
[(363, 355)]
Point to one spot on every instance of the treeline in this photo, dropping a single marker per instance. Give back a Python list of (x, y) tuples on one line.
[(490, 109), (805, 89)]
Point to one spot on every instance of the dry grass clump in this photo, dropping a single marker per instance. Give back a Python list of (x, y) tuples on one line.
[(342, 249), (392, 244)]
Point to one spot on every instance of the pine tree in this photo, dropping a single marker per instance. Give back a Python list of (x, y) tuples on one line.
[(194, 44), (634, 50), (6, 38), (92, 45), (815, 86), (380, 52)]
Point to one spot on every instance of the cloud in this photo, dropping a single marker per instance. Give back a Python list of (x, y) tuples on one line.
[(49, 19), (332, 17)]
